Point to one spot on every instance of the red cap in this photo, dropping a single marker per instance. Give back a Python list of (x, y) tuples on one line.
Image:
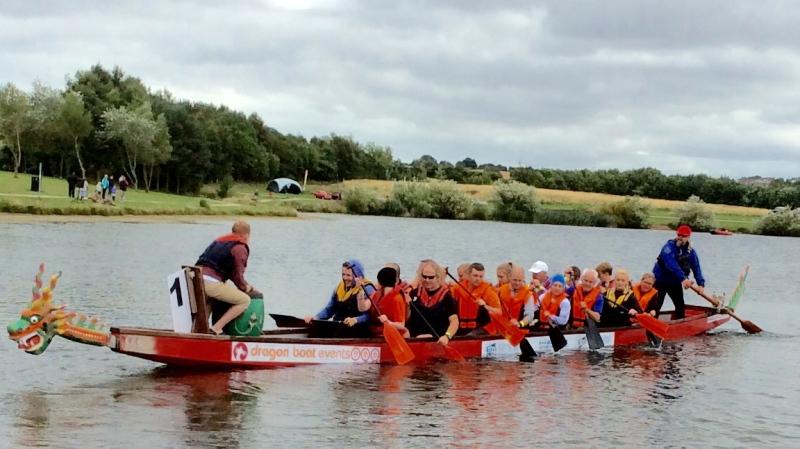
[(684, 231)]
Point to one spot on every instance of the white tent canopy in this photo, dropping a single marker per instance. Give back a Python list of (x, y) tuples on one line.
[(284, 185)]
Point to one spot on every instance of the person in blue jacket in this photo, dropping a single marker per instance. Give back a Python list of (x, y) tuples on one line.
[(674, 264), (343, 306)]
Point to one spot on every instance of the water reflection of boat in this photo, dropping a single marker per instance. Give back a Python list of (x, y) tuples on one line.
[(292, 347)]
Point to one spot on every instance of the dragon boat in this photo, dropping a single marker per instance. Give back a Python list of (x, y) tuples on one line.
[(42, 321)]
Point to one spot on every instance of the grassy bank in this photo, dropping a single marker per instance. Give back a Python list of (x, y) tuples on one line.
[(16, 197), (661, 214)]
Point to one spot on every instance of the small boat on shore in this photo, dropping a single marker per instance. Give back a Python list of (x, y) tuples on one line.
[(721, 231)]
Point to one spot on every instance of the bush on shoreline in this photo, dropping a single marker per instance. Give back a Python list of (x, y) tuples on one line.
[(513, 201), (695, 213), (781, 221), (360, 201), (630, 212), (574, 217)]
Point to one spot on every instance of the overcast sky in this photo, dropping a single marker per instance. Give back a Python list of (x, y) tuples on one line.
[(682, 86)]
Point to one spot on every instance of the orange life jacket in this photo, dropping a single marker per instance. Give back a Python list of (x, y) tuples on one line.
[(392, 304), (513, 303), (467, 308), (550, 306), (645, 298), (578, 298)]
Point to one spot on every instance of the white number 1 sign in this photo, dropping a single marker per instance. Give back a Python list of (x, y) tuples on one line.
[(179, 302)]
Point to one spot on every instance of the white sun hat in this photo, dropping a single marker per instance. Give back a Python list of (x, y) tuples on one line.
[(538, 267)]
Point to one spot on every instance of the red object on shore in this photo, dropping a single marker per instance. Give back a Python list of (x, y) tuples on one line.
[(292, 347), (721, 231)]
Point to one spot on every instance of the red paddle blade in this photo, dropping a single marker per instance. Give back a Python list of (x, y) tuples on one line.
[(512, 333), (453, 354), (750, 327), (653, 324), (398, 345)]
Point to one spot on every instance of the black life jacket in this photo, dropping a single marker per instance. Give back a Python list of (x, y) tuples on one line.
[(346, 309), (219, 258)]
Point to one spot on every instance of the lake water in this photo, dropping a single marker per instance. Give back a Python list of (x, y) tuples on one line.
[(728, 389)]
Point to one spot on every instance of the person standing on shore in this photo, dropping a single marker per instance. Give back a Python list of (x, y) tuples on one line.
[(674, 264), (72, 185), (123, 188), (84, 189), (104, 187), (112, 188)]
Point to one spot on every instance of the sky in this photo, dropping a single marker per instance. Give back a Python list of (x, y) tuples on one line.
[(686, 87)]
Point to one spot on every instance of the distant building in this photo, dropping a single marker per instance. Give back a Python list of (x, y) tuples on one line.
[(756, 181)]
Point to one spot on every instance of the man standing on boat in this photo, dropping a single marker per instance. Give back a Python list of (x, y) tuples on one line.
[(223, 264), (674, 264)]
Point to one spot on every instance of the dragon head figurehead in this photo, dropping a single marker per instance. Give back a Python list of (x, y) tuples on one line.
[(43, 320)]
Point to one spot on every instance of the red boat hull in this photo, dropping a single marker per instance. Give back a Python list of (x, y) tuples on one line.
[(291, 347)]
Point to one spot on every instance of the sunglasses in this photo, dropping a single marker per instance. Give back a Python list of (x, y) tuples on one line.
[(428, 277)]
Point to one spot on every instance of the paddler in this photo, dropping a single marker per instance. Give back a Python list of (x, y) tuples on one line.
[(476, 298), (516, 298), (621, 295), (587, 299), (343, 302), (387, 305)]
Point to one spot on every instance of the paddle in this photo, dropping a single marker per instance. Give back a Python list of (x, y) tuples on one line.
[(450, 352), (748, 326), (592, 334), (288, 320), (647, 321), (397, 344), (513, 334), (528, 353), (557, 338)]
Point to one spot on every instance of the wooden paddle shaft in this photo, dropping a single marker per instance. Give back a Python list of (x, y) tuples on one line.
[(716, 303)]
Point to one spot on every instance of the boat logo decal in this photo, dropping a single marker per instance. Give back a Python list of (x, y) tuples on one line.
[(239, 352), (303, 353)]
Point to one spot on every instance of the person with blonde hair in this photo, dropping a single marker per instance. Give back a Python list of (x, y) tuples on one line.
[(433, 309), (503, 272), (621, 302)]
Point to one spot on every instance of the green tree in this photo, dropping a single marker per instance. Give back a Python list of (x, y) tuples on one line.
[(158, 152), (75, 123), (378, 161), (14, 120), (134, 130)]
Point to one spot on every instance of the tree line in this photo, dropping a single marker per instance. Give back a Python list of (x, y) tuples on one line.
[(110, 122)]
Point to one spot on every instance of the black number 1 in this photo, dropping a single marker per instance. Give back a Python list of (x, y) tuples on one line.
[(176, 287)]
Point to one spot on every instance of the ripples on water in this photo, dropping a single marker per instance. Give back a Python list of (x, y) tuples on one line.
[(727, 389)]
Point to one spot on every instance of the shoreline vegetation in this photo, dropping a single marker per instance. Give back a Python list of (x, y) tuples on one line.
[(437, 199)]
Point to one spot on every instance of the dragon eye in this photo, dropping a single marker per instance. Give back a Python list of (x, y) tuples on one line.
[(34, 319)]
